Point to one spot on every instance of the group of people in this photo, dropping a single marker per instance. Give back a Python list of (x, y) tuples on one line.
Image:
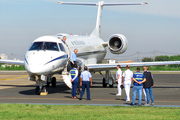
[(140, 81), (84, 79), (79, 79)]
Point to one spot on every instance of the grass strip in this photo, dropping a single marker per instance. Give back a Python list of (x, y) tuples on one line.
[(82, 112)]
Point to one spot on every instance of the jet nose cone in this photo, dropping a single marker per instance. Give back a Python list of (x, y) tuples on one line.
[(35, 69)]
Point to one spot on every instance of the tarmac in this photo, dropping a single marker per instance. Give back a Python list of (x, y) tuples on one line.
[(16, 88)]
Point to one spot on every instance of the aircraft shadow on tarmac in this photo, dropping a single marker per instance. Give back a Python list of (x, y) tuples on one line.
[(60, 88)]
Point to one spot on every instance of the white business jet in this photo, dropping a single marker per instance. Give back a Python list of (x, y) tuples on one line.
[(48, 55)]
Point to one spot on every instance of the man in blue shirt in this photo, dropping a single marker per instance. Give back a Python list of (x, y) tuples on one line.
[(74, 80), (73, 57), (85, 82), (138, 79)]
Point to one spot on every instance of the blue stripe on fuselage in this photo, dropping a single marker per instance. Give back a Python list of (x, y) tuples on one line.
[(26, 61), (64, 56)]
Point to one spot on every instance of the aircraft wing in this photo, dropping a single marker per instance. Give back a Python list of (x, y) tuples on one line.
[(104, 67), (16, 62)]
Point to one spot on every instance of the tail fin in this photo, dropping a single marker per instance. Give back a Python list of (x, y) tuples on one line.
[(96, 31)]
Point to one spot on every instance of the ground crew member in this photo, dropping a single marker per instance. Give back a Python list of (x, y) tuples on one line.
[(85, 82), (138, 79), (74, 80), (119, 80), (127, 78)]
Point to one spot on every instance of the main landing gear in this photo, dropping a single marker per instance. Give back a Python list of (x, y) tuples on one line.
[(108, 79)]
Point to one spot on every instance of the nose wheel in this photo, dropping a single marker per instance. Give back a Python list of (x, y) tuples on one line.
[(38, 90)]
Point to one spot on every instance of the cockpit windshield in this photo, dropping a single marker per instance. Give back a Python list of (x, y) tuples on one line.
[(44, 46), (61, 47)]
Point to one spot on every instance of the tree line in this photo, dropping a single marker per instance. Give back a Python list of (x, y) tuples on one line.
[(163, 58)]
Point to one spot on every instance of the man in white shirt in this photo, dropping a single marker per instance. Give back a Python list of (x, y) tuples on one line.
[(118, 80), (127, 78)]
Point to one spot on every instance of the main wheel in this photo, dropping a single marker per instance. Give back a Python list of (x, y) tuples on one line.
[(37, 92), (104, 82), (53, 82)]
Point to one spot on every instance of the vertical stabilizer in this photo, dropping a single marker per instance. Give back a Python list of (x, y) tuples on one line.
[(97, 30)]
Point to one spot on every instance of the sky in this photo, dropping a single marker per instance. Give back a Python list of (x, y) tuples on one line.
[(150, 27)]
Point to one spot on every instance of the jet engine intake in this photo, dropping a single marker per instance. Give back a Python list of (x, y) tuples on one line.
[(117, 44)]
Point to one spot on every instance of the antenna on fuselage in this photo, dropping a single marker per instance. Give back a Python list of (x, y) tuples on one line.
[(96, 31)]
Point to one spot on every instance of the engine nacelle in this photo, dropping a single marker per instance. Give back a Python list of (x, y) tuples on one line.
[(117, 44)]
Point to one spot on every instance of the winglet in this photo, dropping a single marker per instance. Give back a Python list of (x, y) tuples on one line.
[(59, 2), (143, 3)]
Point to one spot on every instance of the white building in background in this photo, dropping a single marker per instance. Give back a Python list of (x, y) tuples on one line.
[(3, 56), (16, 59), (110, 61)]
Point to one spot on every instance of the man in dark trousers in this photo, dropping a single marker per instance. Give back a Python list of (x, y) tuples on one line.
[(85, 82), (148, 85)]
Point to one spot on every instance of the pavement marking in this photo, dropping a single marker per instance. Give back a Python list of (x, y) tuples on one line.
[(97, 104), (76, 99), (13, 78)]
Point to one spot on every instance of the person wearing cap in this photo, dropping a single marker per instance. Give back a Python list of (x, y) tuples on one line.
[(85, 82), (74, 80), (138, 79), (126, 81), (119, 80)]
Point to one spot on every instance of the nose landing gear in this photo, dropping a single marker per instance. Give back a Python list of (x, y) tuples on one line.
[(42, 84)]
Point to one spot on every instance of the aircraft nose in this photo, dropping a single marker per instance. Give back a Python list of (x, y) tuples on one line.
[(40, 68), (34, 69)]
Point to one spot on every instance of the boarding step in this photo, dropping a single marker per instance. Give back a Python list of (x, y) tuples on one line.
[(67, 79)]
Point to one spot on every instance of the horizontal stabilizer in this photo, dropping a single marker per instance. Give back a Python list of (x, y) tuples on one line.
[(103, 4), (77, 3)]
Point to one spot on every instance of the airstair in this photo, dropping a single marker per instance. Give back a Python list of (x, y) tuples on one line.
[(65, 74)]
